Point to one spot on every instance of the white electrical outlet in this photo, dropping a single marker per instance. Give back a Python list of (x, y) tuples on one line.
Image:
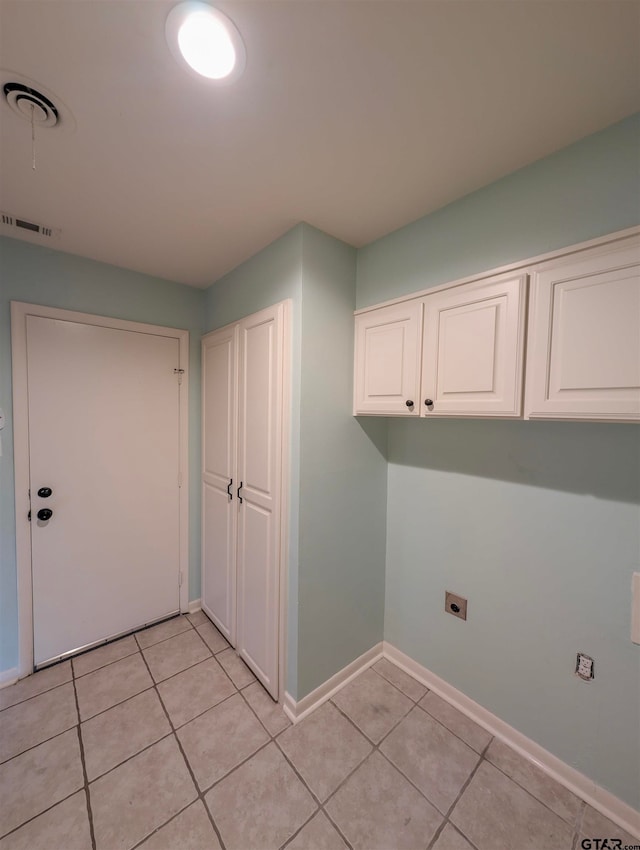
[(584, 666)]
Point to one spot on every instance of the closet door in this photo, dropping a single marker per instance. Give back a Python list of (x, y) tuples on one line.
[(219, 485), (260, 360)]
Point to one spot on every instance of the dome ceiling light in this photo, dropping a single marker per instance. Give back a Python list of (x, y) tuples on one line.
[(206, 41)]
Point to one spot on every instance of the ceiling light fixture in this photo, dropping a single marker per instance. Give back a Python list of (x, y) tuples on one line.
[(206, 41)]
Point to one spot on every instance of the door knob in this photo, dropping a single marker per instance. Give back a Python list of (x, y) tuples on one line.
[(45, 492), (44, 514)]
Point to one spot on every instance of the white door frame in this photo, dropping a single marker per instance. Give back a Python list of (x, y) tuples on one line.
[(19, 313)]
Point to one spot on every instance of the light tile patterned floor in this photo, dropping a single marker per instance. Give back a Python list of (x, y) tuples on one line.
[(165, 741)]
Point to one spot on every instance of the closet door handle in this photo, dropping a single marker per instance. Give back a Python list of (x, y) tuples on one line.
[(229, 493), (238, 493)]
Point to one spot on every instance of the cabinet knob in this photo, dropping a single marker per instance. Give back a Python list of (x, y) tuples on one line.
[(428, 402), (409, 403), (44, 514)]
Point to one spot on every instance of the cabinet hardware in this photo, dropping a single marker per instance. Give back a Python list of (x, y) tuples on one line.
[(409, 403), (44, 514), (238, 493), (229, 493), (428, 402), (45, 492)]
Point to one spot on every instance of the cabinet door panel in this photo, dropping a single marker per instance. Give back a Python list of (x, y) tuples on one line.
[(584, 355), (387, 360), (219, 424), (472, 350), (259, 470)]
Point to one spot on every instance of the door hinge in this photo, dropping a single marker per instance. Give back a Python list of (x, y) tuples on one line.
[(179, 373)]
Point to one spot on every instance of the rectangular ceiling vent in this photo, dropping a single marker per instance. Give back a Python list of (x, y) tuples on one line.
[(15, 223)]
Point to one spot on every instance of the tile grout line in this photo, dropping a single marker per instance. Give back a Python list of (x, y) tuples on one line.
[(43, 812), (537, 799), (482, 754), (35, 696), (199, 793), (463, 788), (44, 741), (84, 766), (578, 824), (376, 747), (305, 785), (315, 797)]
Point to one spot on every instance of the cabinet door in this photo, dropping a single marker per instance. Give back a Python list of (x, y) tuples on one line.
[(260, 412), (219, 424), (584, 335), (472, 351), (387, 360)]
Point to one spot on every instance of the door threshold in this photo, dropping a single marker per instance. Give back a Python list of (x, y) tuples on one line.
[(88, 646)]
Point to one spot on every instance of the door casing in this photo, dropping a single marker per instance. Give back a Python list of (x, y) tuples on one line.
[(19, 312)]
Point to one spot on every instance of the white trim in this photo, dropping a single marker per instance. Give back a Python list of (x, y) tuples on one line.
[(8, 677), (285, 487), (510, 267), (19, 312), (297, 711), (194, 605), (601, 799)]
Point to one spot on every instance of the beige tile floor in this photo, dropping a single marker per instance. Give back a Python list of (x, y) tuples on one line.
[(165, 741)]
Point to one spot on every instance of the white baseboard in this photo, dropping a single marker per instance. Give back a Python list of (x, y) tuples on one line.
[(602, 800), (194, 605), (296, 711), (8, 677)]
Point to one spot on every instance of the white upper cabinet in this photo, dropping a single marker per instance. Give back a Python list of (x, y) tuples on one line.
[(472, 353), (583, 359), (387, 360)]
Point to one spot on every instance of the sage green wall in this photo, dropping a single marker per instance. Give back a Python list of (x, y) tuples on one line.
[(42, 276), (538, 524), (343, 475), (583, 191), (338, 474)]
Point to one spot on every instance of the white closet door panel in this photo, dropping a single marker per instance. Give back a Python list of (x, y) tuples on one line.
[(387, 360), (584, 349), (219, 381), (218, 560), (259, 465), (473, 348), (258, 593), (257, 408)]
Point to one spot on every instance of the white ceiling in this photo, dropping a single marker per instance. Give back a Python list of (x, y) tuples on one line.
[(355, 116)]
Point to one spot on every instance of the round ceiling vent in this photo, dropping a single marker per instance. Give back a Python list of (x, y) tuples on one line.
[(31, 104)]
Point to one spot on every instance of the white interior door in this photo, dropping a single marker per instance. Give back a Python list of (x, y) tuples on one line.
[(259, 470), (103, 410), (219, 484)]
